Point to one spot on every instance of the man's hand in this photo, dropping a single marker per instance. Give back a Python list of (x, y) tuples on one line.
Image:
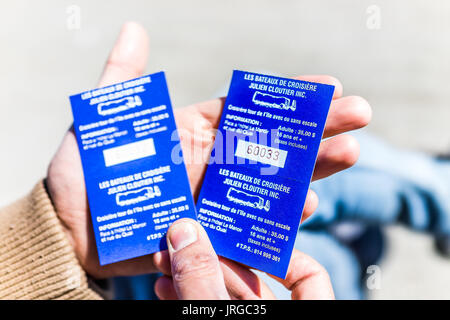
[(196, 123), (65, 180), (196, 272)]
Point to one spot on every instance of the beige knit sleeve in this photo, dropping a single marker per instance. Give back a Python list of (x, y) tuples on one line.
[(36, 259)]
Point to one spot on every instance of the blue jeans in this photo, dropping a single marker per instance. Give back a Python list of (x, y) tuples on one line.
[(386, 186)]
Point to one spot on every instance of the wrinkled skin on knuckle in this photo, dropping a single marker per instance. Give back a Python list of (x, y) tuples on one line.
[(200, 265)]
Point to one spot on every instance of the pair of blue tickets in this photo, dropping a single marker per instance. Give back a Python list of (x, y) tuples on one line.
[(256, 179)]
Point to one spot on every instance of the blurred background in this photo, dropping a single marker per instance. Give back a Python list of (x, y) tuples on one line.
[(393, 53)]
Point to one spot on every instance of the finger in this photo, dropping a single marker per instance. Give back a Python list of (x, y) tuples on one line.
[(196, 271), (209, 110), (306, 279), (266, 292), (161, 261), (347, 114), (164, 288), (336, 154), (324, 79), (241, 283), (128, 58), (311, 204)]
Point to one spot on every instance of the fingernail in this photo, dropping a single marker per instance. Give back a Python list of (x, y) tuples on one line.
[(181, 235)]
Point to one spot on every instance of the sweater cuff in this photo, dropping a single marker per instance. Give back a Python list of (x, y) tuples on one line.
[(36, 259)]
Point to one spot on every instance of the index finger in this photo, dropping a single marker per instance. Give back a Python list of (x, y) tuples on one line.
[(306, 279)]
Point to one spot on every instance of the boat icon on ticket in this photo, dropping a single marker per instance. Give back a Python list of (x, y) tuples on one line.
[(247, 199), (271, 101), (118, 105)]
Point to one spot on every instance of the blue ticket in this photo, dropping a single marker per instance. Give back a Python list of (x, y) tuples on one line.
[(261, 166), (126, 134)]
